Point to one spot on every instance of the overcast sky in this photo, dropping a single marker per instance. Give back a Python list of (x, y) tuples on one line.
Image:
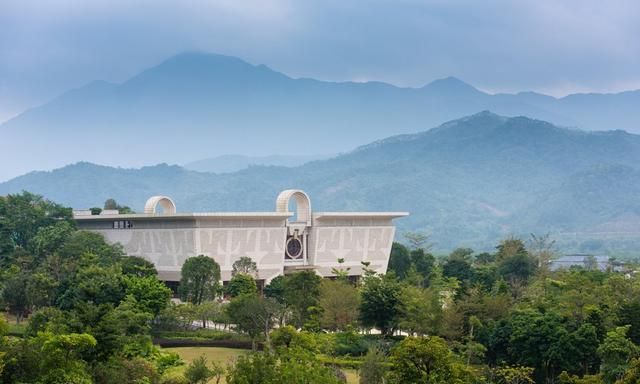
[(556, 47)]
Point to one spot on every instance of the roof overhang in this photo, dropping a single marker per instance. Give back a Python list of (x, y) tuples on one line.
[(359, 215), (196, 215)]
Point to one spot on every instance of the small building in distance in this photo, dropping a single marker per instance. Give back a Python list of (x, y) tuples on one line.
[(279, 241), (586, 261)]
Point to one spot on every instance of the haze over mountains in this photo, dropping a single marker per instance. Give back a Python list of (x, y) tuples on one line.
[(232, 163), (468, 182), (195, 106)]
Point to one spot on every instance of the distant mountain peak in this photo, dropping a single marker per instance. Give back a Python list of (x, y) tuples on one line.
[(198, 66), (451, 84), (197, 57)]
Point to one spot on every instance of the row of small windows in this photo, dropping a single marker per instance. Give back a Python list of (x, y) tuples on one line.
[(122, 224)]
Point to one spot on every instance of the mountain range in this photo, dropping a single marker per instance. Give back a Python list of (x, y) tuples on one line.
[(233, 163), (468, 182), (197, 105)]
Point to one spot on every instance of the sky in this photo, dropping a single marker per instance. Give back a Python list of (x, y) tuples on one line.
[(550, 46)]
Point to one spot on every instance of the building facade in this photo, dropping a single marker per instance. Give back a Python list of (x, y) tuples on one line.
[(279, 242)]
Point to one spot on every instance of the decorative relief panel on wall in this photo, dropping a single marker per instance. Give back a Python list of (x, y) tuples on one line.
[(354, 244), (163, 247), (263, 245)]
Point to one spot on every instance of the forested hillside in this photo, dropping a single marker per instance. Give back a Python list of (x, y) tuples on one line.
[(468, 182)]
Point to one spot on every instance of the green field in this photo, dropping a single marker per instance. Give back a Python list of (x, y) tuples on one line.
[(217, 354), (227, 355)]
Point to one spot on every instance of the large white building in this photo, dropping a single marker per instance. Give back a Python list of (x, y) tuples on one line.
[(279, 241)]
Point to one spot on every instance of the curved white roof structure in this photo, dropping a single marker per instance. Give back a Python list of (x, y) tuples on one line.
[(165, 202), (303, 204)]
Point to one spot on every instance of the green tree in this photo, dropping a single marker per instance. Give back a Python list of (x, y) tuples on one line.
[(275, 289), (629, 314), (241, 284), (125, 370), (123, 330), (14, 294), (544, 342), (22, 215), (82, 243), (381, 304), (426, 360), (49, 358), (339, 301), (49, 239), (421, 310), (200, 279), (111, 204), (514, 375), (198, 372), (616, 353), (515, 265), (399, 260), (138, 266), (245, 265), (41, 290), (458, 265), (374, 368), (253, 315), (93, 284), (424, 263), (631, 374), (291, 365), (150, 293), (301, 292), (211, 311), (417, 240)]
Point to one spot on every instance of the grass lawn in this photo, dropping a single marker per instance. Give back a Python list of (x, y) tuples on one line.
[(226, 355), (14, 329), (217, 354), (352, 376), (220, 355)]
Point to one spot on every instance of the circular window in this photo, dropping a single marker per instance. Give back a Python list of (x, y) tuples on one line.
[(294, 248)]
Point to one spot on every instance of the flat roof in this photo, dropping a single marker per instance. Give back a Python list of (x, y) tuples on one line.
[(280, 215), (329, 215), (195, 215)]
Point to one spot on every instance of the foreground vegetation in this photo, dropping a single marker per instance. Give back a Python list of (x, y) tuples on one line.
[(83, 312)]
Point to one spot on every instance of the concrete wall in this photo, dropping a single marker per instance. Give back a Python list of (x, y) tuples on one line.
[(167, 240)]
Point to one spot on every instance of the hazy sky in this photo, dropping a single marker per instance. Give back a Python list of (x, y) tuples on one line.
[(555, 46)]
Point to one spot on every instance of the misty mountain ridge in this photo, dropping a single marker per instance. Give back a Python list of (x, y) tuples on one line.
[(195, 106), (468, 182), (233, 163)]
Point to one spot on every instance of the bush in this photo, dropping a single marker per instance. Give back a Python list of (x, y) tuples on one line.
[(166, 360), (198, 372), (373, 368), (341, 362), (201, 334), (173, 376), (351, 343), (292, 365), (117, 370)]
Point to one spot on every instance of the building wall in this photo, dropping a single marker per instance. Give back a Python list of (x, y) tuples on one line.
[(355, 240), (169, 241)]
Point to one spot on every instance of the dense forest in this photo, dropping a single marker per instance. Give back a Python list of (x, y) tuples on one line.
[(78, 310)]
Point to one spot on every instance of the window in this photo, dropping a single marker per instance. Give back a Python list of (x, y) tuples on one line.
[(122, 224)]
